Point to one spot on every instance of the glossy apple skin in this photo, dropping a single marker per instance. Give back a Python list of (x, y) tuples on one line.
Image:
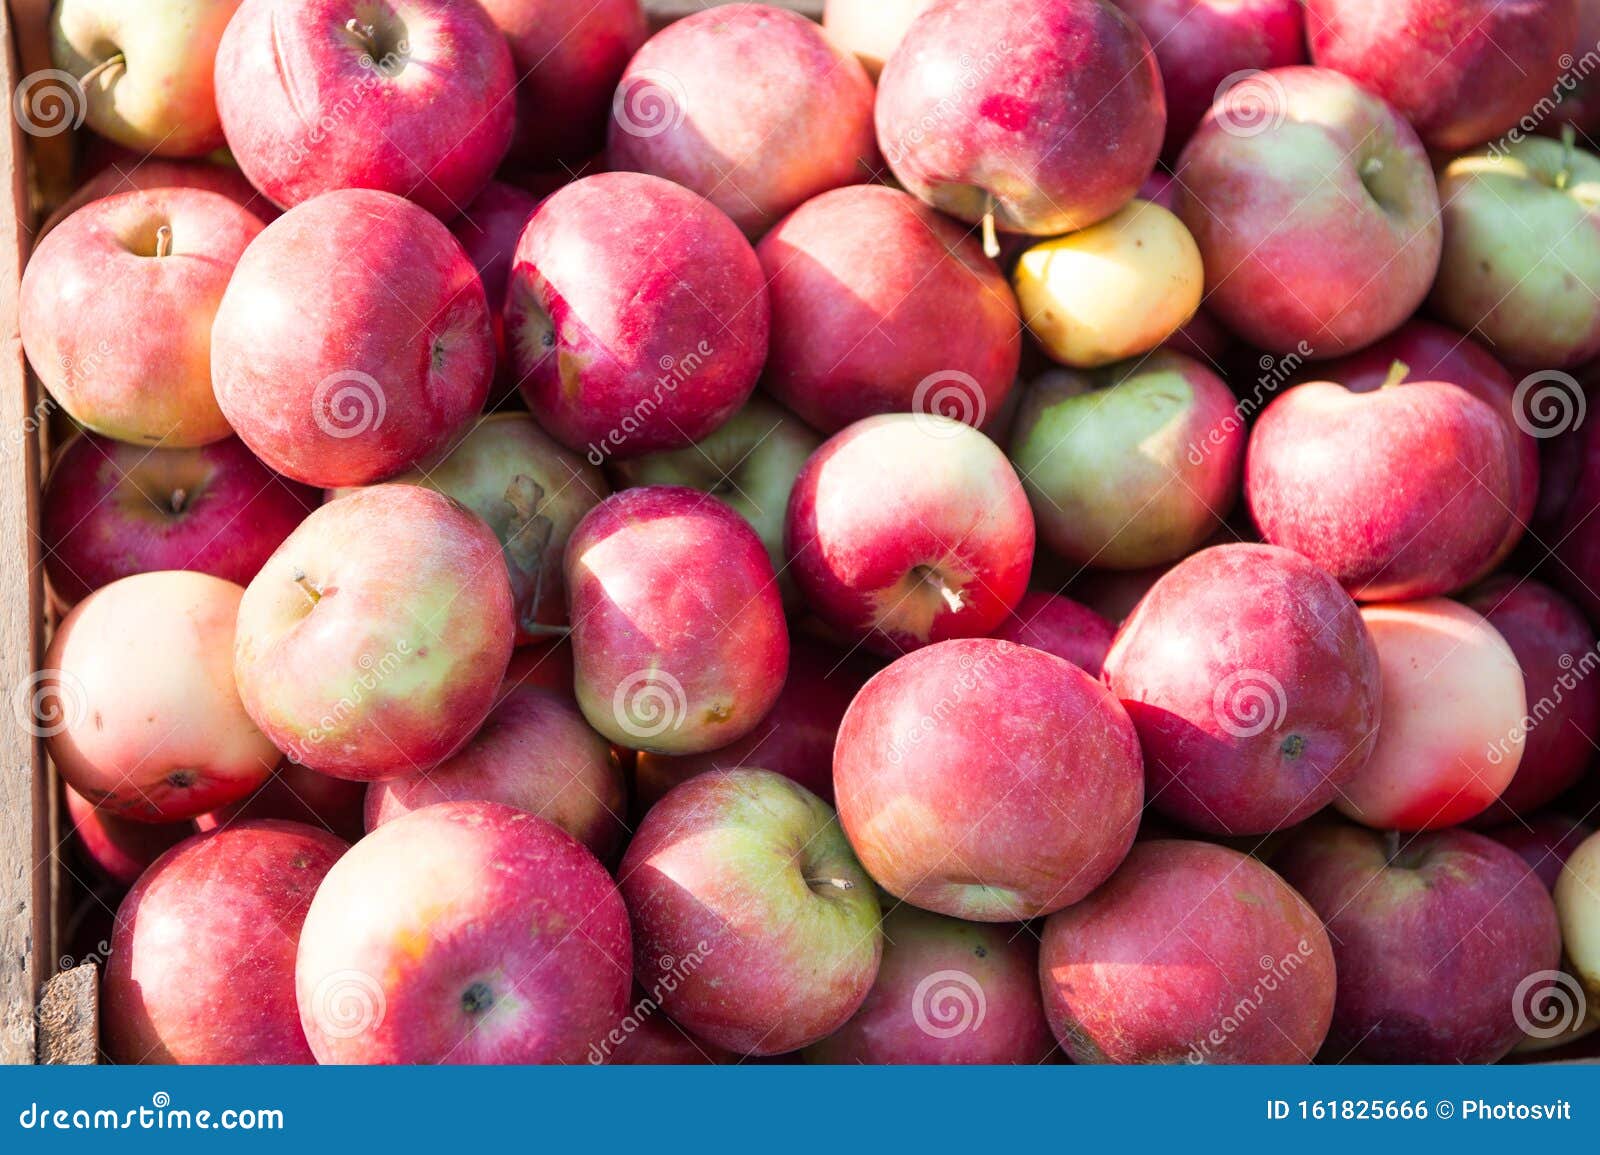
[(796, 736), (1454, 703), (465, 932), (372, 643), (1461, 71), (203, 954), (1022, 99), (111, 509), (138, 173), (956, 765), (567, 57), (1544, 841), (872, 29), (1152, 967), (636, 316), (678, 636), (1060, 626), (1556, 648), (534, 752), (423, 109), (1400, 493), (137, 703), (118, 848), (1431, 942), (947, 992), (295, 793), (1129, 466), (785, 943), (752, 107), (1275, 184), (137, 365), (1254, 686), (1437, 353), (344, 372), (864, 282), (1200, 43), (952, 513), (488, 230)]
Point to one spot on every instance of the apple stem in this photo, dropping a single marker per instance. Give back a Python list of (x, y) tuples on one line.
[(178, 500), (106, 65), (1371, 167), (1569, 142), (952, 598), (991, 242), (1398, 372), (365, 35), (836, 883), (304, 583), (164, 241), (1391, 845)]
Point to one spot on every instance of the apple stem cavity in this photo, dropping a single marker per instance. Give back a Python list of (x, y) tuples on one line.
[(1391, 845), (991, 242), (107, 65), (365, 35), (179, 498), (1398, 372)]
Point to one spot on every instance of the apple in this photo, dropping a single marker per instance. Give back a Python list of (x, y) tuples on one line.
[(1254, 686), (750, 106), (743, 878), (1454, 712), (372, 643), (118, 848), (1060, 626), (678, 637), (1521, 258), (139, 173), (872, 29), (1573, 96), (965, 774), (650, 1038), (534, 752), (1204, 337), (343, 370), (110, 510), (1400, 492), (1577, 897), (464, 932), (136, 701), (411, 97), (942, 552), (202, 959), (1570, 493), (636, 316), (295, 793), (1461, 71), (1202, 44), (1191, 953), (144, 75), (1544, 841), (1036, 116), (1434, 936), (568, 58), (116, 309), (1130, 466), (864, 282), (1298, 186), (488, 230), (795, 738)]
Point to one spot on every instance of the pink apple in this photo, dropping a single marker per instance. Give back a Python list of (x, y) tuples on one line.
[(465, 932), (678, 636), (864, 283), (942, 552), (489, 229), (120, 849), (203, 955), (1454, 710), (1544, 841), (535, 753), (1009, 110), (872, 29), (110, 510), (966, 773), (1191, 953), (372, 643), (1297, 186), (1060, 626), (117, 306), (136, 700), (1433, 935), (413, 97), (139, 173), (343, 371), (742, 878), (750, 106), (636, 316), (295, 793)]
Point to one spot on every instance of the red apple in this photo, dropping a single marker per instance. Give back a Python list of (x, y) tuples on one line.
[(1433, 936), (967, 772), (944, 549), (138, 173), (117, 847), (678, 636), (465, 932), (1191, 952), (750, 106), (1544, 841), (344, 371), (872, 29), (1060, 626), (295, 793), (373, 642), (1573, 95), (636, 317), (1254, 686), (646, 1037), (1314, 207), (743, 881), (489, 229), (413, 97), (864, 283), (110, 510), (203, 955)]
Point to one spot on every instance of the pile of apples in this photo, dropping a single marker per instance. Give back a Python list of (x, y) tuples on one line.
[(980, 531)]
